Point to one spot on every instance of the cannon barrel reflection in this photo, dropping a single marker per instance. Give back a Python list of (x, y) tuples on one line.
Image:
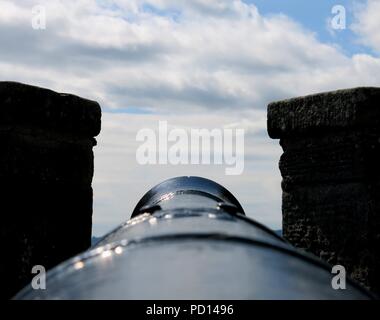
[(189, 238)]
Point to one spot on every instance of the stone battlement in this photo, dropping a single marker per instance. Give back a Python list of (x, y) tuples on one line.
[(331, 177), (46, 170)]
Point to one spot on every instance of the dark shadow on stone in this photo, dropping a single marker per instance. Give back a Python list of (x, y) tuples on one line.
[(46, 170)]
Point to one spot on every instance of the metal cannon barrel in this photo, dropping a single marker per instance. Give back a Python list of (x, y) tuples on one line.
[(189, 238)]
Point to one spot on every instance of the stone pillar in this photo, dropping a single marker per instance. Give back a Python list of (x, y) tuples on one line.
[(331, 177), (46, 169)]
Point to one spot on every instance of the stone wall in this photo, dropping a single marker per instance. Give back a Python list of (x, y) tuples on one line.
[(46, 170), (331, 177)]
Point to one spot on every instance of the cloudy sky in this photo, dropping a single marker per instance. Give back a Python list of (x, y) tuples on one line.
[(196, 64)]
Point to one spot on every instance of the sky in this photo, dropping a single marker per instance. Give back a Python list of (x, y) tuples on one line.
[(195, 64)]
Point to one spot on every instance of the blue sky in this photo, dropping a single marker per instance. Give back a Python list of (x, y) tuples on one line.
[(313, 15)]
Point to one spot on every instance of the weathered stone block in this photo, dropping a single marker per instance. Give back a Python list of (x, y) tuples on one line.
[(342, 109), (331, 177), (46, 169), (344, 156)]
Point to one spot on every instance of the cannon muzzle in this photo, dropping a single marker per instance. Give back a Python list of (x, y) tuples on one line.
[(189, 238)]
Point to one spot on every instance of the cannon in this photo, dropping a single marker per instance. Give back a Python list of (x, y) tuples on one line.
[(189, 238)]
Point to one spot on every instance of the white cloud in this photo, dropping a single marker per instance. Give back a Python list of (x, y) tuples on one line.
[(367, 24), (182, 55), (213, 63), (120, 181)]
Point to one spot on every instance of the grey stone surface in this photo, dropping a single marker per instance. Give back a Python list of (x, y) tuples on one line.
[(38, 108), (331, 177), (318, 113), (46, 170)]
